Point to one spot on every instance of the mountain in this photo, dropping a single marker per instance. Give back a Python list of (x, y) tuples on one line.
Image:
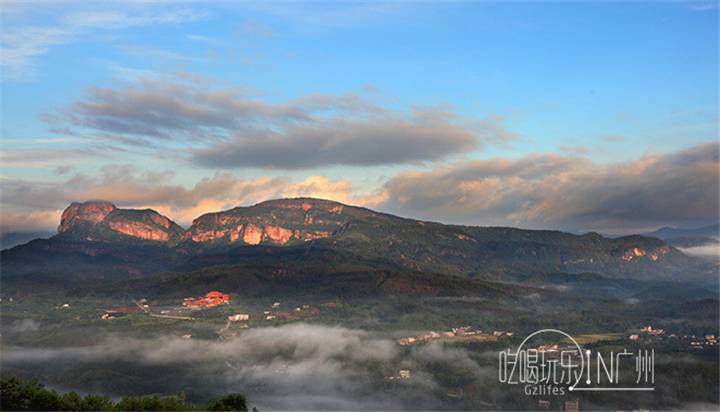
[(97, 220), (278, 222), (688, 237), (12, 239), (97, 240), (668, 233), (485, 252)]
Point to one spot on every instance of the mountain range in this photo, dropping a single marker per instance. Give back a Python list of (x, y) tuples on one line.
[(297, 238), (688, 237)]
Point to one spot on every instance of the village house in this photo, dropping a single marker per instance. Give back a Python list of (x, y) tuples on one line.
[(571, 406), (461, 330), (211, 299), (548, 348), (239, 317), (649, 330)]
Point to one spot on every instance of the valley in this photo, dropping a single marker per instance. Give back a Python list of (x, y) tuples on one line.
[(372, 307)]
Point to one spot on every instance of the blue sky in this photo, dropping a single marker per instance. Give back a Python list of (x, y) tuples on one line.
[(601, 86)]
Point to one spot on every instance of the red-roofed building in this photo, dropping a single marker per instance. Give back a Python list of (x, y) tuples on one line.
[(210, 299)]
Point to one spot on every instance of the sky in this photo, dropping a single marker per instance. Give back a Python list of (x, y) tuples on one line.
[(570, 115)]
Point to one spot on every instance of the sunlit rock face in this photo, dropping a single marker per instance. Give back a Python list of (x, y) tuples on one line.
[(236, 232), (139, 230), (278, 235), (637, 252), (275, 222), (92, 212), (161, 220), (97, 220), (252, 235)]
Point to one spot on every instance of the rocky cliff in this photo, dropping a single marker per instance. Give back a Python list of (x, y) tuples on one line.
[(277, 222), (98, 220)]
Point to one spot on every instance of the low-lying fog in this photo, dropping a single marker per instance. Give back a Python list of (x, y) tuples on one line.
[(710, 251), (297, 366)]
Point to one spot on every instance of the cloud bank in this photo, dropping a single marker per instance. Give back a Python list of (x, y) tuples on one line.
[(225, 127), (537, 191), (34, 205), (553, 191)]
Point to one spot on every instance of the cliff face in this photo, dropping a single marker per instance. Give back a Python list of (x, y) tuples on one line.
[(276, 222), (98, 220), (90, 212)]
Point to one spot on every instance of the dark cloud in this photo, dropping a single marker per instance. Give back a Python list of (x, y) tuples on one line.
[(385, 139), (679, 188), (226, 127), (163, 109)]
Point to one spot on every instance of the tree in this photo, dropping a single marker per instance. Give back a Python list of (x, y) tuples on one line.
[(232, 402), (16, 395)]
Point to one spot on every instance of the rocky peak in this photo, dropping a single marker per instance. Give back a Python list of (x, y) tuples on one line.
[(93, 212), (98, 220)]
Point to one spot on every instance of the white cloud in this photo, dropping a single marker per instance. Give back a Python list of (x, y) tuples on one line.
[(22, 44)]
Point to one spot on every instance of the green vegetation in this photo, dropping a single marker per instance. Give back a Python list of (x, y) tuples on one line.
[(16, 395)]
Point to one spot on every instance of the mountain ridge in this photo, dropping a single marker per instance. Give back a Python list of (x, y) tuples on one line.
[(201, 230), (97, 235), (688, 237)]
